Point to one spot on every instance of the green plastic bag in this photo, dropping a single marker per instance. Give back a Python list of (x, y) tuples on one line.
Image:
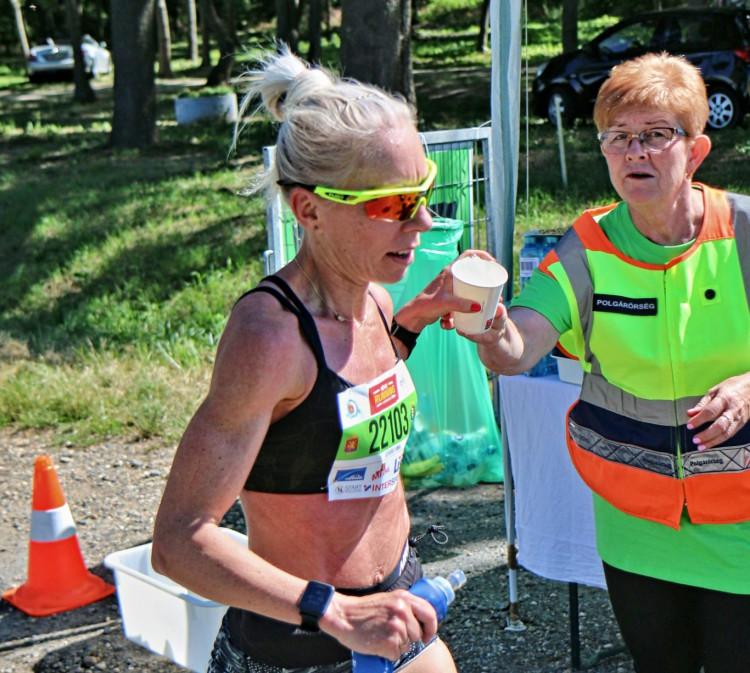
[(455, 440)]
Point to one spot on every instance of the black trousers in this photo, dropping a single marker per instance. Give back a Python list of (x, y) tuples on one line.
[(676, 628)]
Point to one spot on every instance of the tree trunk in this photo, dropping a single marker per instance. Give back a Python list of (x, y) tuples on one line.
[(164, 36), (314, 28), (206, 33), (287, 23), (228, 11), (46, 21), (192, 30), (222, 71), (328, 18), (133, 53), (376, 44), (484, 27), (570, 25), (20, 29), (99, 22), (83, 92)]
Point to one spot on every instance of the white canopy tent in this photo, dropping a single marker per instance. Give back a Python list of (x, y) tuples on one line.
[(505, 23), (505, 93)]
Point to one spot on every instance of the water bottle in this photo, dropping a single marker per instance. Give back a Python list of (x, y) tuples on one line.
[(537, 243), (438, 592), (529, 257)]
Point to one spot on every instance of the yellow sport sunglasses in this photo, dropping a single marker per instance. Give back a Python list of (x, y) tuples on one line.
[(396, 204)]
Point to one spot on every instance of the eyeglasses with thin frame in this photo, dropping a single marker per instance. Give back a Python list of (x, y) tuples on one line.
[(396, 204), (655, 139)]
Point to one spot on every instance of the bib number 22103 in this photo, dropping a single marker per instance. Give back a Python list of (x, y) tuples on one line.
[(389, 428)]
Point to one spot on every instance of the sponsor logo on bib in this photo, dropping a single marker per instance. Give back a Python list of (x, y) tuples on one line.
[(353, 474), (383, 394)]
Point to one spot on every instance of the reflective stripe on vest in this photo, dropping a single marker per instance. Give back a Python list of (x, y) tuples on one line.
[(642, 327)]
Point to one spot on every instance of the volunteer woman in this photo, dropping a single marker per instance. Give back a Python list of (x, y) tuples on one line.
[(652, 294)]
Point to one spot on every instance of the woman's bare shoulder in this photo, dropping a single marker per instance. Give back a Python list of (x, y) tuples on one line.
[(261, 352)]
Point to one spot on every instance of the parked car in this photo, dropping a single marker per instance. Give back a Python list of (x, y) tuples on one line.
[(717, 40), (56, 58)]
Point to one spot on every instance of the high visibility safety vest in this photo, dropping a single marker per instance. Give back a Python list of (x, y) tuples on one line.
[(652, 340)]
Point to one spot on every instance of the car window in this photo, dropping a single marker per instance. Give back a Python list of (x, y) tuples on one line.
[(636, 36), (708, 33), (671, 33)]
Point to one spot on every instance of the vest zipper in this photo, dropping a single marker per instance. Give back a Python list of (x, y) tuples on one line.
[(678, 434)]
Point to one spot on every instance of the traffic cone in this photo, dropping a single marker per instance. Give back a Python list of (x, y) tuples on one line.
[(58, 579)]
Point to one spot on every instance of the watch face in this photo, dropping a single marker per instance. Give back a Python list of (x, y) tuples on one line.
[(316, 598)]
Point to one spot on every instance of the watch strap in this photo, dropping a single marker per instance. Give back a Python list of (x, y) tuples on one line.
[(309, 622), (405, 336), (313, 603)]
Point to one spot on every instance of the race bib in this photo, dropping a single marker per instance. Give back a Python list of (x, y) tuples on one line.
[(376, 418)]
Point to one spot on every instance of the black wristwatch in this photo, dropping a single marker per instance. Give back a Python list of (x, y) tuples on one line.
[(313, 604)]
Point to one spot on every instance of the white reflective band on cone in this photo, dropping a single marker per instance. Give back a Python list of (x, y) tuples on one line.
[(52, 524)]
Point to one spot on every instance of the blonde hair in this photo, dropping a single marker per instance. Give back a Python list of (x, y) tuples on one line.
[(657, 81), (330, 127)]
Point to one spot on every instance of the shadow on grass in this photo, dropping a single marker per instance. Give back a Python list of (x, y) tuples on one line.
[(65, 196)]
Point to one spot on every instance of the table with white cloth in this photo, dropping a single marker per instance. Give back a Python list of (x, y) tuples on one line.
[(554, 509), (554, 517)]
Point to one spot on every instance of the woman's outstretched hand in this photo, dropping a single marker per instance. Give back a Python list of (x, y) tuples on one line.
[(437, 301)]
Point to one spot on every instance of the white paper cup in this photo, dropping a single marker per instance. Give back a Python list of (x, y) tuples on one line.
[(482, 281)]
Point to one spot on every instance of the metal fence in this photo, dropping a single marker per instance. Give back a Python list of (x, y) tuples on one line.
[(462, 192)]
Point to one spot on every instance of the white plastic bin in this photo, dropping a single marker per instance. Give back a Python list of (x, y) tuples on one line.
[(569, 370), (160, 614), (222, 106)]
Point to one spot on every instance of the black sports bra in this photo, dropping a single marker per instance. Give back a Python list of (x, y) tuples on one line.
[(299, 449)]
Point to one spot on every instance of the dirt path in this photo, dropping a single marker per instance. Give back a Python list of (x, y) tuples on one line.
[(113, 490)]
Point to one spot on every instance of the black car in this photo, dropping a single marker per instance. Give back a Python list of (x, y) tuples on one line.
[(715, 40)]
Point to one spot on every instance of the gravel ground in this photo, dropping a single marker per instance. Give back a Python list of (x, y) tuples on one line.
[(113, 490)]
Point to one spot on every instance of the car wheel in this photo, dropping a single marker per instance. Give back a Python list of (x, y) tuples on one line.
[(724, 110), (566, 105)]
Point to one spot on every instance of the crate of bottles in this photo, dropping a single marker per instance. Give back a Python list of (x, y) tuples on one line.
[(536, 244)]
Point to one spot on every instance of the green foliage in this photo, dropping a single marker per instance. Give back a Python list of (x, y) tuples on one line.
[(449, 14), (12, 77), (544, 39), (119, 268), (205, 91), (101, 395)]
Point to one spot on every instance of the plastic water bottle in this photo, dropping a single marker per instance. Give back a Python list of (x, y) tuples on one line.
[(438, 592), (529, 257), (537, 243)]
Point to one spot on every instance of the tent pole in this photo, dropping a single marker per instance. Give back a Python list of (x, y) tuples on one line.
[(513, 622), (505, 105)]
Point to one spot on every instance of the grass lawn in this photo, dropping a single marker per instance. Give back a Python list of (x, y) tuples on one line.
[(118, 269)]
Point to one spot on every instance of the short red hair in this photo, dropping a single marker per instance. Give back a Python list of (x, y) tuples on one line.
[(655, 81)]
